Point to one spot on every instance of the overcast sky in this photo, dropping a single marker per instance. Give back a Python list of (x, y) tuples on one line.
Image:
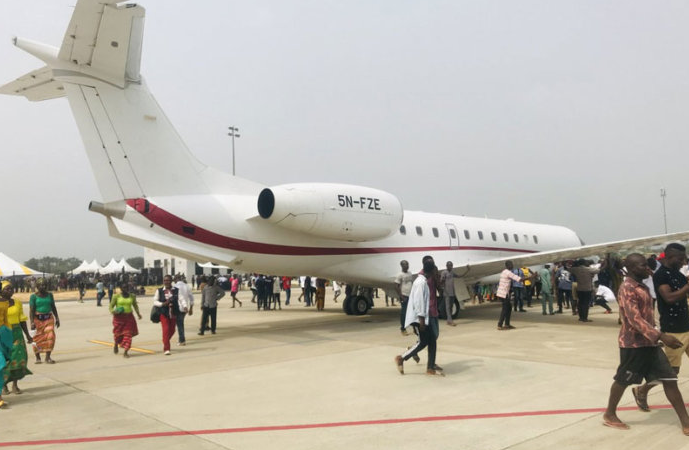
[(570, 113)]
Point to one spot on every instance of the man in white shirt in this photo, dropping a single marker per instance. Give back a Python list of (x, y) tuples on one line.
[(186, 306), (403, 282), (603, 296), (418, 316)]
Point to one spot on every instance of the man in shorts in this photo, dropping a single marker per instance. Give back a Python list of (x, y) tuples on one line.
[(671, 288), (640, 356)]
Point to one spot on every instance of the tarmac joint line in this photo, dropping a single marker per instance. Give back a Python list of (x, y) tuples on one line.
[(134, 349)]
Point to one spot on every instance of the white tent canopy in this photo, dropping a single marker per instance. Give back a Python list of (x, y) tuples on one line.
[(127, 267), (10, 267), (88, 267), (117, 267), (82, 267)]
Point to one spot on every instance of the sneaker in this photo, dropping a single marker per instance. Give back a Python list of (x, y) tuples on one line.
[(181, 344), (167, 353), (434, 372), (509, 327), (400, 364), (405, 333)]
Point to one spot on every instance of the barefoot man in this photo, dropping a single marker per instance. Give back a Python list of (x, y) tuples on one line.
[(640, 356)]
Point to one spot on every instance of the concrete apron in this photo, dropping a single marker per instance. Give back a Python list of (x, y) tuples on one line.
[(301, 379)]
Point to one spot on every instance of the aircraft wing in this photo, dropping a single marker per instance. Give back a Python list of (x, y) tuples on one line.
[(493, 266)]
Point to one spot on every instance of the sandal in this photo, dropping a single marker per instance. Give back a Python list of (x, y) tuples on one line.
[(17, 391), (50, 361), (615, 425), (641, 402)]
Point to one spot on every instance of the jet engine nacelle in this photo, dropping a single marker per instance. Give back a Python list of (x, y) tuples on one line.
[(333, 211)]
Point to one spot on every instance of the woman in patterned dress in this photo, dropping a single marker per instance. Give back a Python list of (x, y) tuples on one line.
[(44, 319), (16, 367)]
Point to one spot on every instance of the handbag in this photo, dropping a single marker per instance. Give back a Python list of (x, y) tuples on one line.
[(155, 314)]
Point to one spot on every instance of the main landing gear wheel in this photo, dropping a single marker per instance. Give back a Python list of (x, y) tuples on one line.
[(441, 309), (347, 306), (360, 305)]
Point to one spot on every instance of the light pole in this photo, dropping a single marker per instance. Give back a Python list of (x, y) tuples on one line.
[(663, 194), (234, 133)]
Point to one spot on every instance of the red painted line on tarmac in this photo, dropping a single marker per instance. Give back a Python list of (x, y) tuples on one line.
[(125, 437)]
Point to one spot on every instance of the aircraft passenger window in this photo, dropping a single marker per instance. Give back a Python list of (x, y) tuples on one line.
[(403, 229), (480, 235), (435, 232), (526, 238), (466, 234), (493, 235), (516, 237), (419, 231), (535, 239), (507, 238), (453, 235)]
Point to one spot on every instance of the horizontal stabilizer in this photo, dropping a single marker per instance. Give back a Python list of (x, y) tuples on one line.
[(35, 86)]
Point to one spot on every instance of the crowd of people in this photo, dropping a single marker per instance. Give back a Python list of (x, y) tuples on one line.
[(576, 285), (640, 283)]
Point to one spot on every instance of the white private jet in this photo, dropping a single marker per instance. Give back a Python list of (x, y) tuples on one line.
[(157, 194)]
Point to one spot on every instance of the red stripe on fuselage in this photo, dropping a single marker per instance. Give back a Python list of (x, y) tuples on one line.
[(181, 227)]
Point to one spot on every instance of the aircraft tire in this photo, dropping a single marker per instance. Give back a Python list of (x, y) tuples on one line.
[(360, 305), (347, 306), (442, 315)]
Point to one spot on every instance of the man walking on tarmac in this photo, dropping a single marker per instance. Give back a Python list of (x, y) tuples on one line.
[(419, 317), (640, 355)]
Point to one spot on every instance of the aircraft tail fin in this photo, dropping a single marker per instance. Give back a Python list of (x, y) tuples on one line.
[(133, 148)]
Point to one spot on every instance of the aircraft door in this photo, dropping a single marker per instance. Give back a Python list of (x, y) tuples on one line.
[(454, 236)]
